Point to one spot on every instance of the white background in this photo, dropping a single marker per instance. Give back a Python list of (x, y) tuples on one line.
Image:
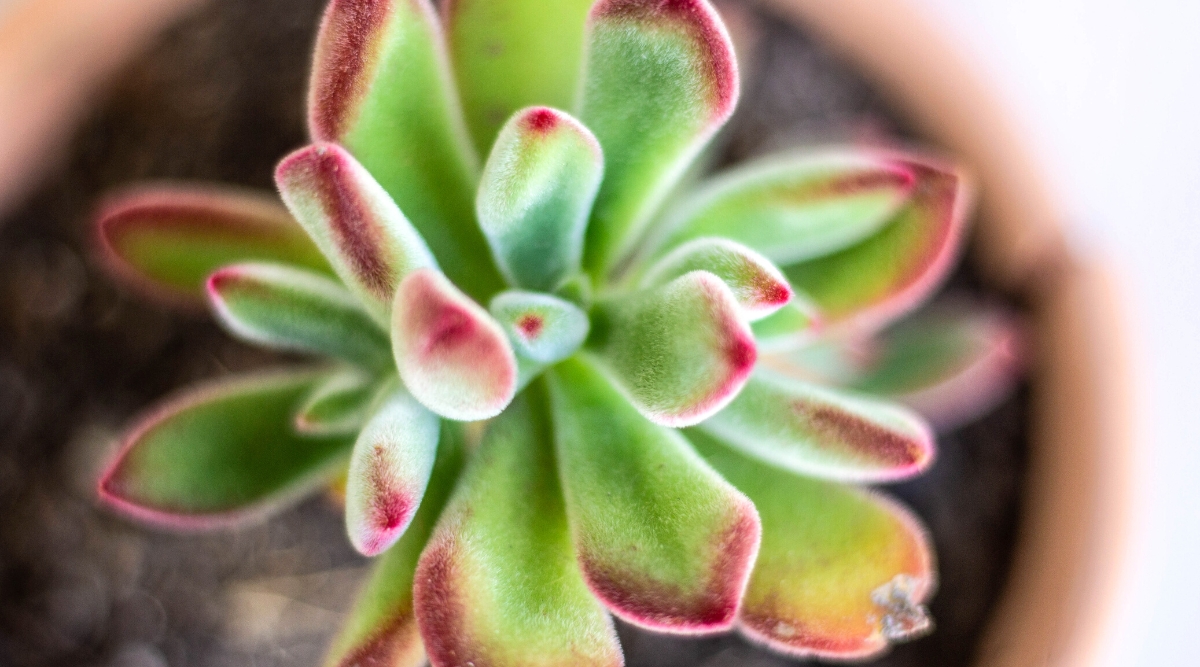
[(1109, 93)]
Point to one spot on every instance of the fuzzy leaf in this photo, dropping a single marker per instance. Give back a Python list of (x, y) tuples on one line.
[(793, 325), (951, 364), (451, 354), (877, 280), (510, 54), (659, 80), (663, 541), (536, 194), (796, 208), (381, 87), (381, 629), (292, 309), (841, 571), (389, 469), (355, 223), (339, 404), (498, 583), (828, 434), (759, 287), (167, 239), (680, 352), (542, 328), (221, 454)]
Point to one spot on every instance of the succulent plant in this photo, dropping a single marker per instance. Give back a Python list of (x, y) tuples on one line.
[(686, 388)]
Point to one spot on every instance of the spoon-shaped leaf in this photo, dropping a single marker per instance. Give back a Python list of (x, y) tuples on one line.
[(950, 364), (339, 404), (389, 469), (167, 239), (542, 328), (221, 454), (841, 571), (824, 433), (869, 284), (498, 583), (510, 54), (285, 308), (451, 354), (760, 288), (381, 629), (356, 224), (536, 194), (659, 80), (382, 87), (662, 540), (796, 208), (680, 352)]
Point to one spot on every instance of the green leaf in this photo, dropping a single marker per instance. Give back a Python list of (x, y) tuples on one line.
[(871, 283), (659, 80), (451, 354), (510, 54), (841, 571), (498, 583), (221, 454), (662, 540), (795, 208), (795, 324), (679, 352), (825, 433), (166, 239), (536, 194), (292, 309), (542, 328), (339, 404), (951, 364), (382, 87), (355, 223), (760, 288), (389, 469), (381, 628)]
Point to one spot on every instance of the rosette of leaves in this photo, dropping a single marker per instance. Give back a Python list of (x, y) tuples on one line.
[(679, 431)]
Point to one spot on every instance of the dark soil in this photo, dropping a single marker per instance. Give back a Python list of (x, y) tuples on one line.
[(221, 98)]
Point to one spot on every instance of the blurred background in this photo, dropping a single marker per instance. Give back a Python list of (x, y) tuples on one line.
[(1108, 95), (1108, 92)]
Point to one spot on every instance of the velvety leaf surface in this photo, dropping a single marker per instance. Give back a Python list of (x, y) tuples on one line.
[(389, 469), (167, 239), (660, 79), (760, 288), (285, 308), (795, 208), (381, 629), (663, 541), (951, 364), (339, 404), (679, 352), (542, 328), (221, 454), (795, 324), (841, 570), (356, 224), (450, 353), (829, 434), (875, 281), (382, 87), (536, 194), (498, 583), (510, 54)]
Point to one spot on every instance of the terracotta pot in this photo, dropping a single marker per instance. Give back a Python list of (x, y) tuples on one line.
[(55, 54)]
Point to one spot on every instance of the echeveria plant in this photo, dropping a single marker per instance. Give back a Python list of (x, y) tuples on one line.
[(681, 411)]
